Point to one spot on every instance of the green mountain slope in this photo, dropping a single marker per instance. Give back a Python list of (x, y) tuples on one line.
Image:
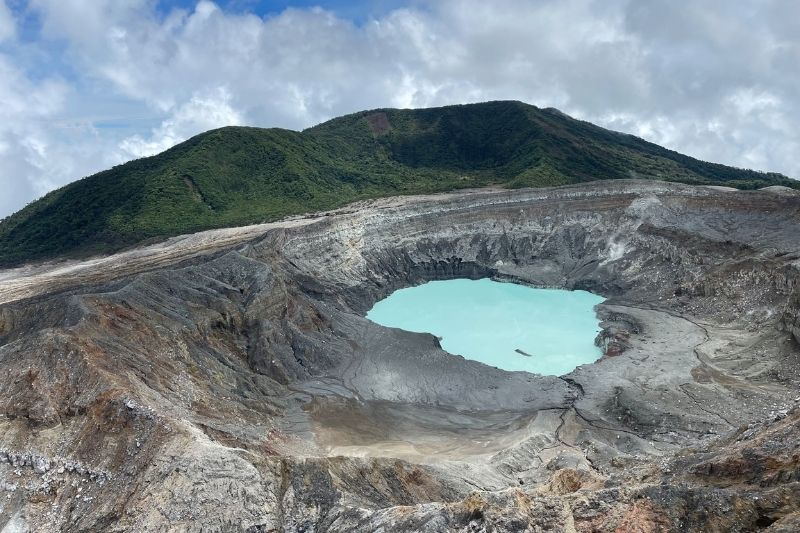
[(238, 175)]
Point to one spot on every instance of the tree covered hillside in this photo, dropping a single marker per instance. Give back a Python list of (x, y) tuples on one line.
[(241, 175)]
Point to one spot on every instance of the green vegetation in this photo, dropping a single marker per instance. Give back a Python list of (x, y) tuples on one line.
[(236, 175)]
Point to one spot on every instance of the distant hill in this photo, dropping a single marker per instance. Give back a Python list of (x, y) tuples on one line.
[(240, 175)]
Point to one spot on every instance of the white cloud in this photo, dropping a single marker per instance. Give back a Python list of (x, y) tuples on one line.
[(24, 110), (746, 101), (712, 79), (8, 26), (199, 114)]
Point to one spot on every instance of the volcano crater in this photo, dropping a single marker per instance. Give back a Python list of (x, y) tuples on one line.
[(256, 352)]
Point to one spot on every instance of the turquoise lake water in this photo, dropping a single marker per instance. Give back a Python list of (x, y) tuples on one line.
[(488, 321)]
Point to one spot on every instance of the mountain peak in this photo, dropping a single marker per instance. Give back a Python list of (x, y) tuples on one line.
[(242, 175)]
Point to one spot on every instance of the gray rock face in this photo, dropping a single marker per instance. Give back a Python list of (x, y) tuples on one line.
[(228, 381)]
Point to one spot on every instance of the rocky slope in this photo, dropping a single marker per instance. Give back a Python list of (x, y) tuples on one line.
[(228, 381)]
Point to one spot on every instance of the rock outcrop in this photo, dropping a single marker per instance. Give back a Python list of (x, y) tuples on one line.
[(229, 381)]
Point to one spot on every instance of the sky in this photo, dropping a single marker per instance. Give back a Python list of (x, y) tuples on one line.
[(88, 84)]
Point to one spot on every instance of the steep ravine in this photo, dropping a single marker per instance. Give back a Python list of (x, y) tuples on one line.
[(229, 381)]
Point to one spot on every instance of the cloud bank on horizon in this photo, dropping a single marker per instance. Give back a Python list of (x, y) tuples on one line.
[(87, 85)]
